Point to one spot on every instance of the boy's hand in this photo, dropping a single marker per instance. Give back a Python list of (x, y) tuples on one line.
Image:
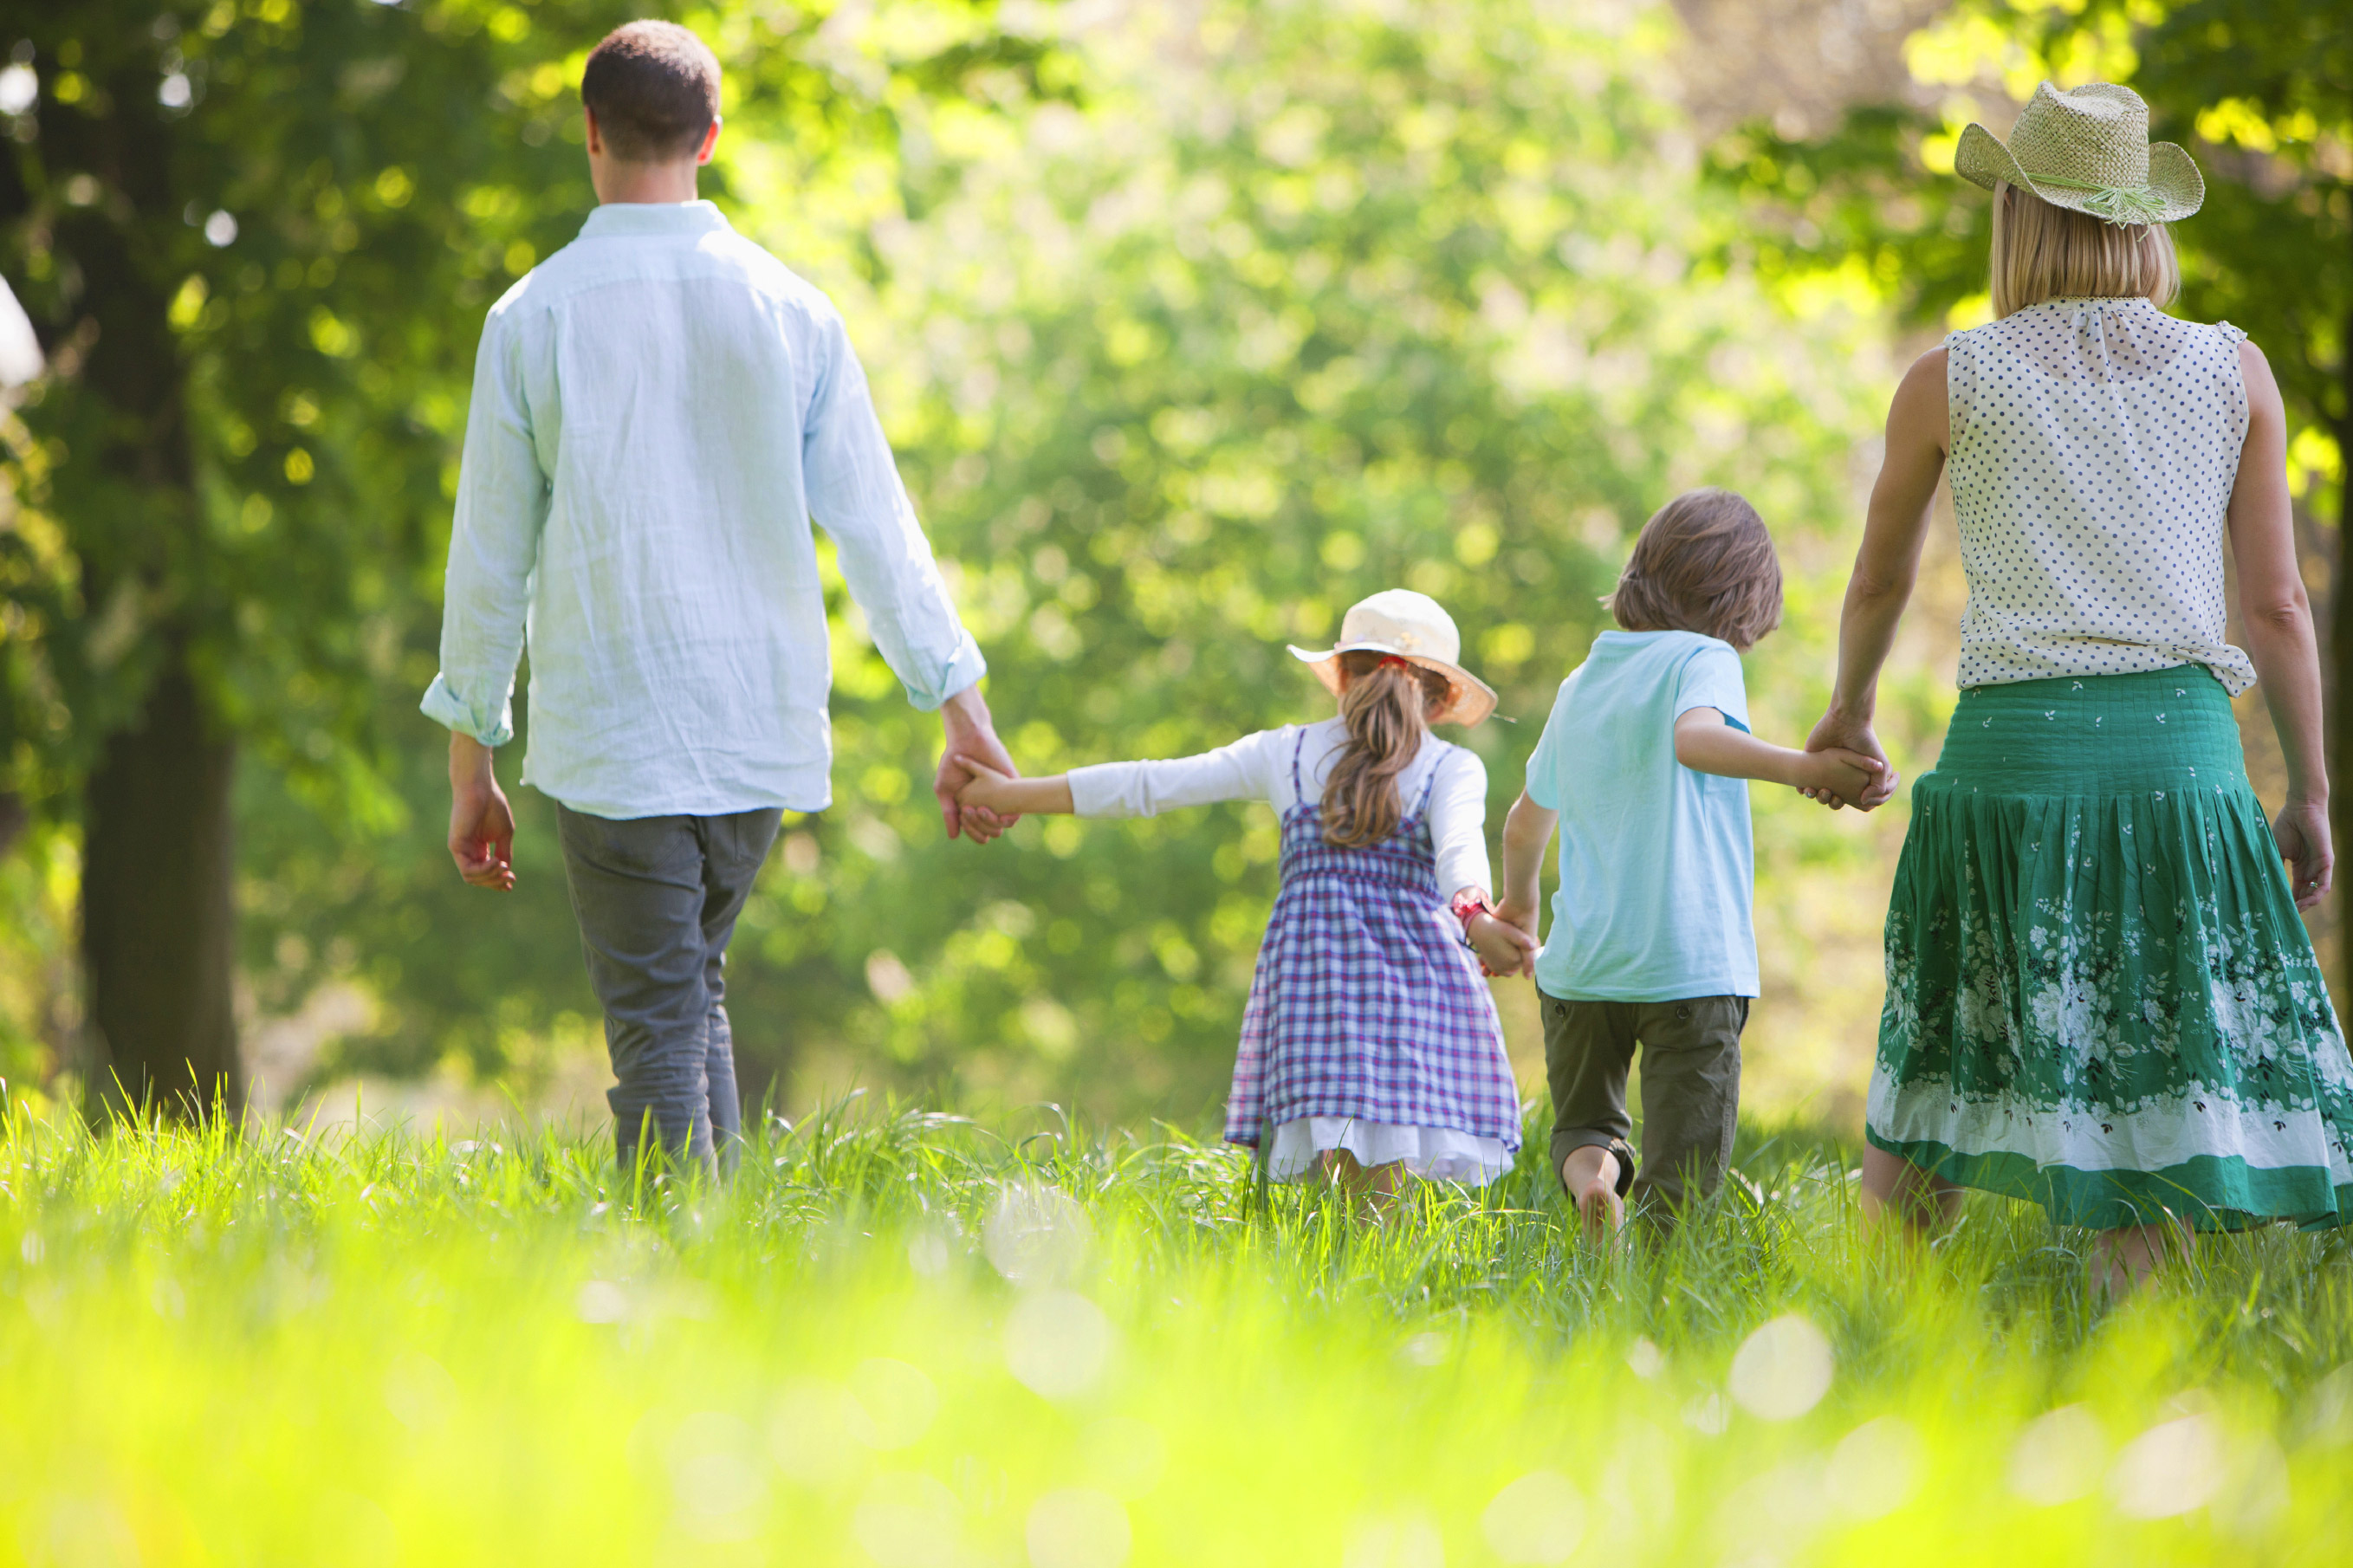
[(1838, 732), (1505, 946), (1521, 916), (1838, 777)]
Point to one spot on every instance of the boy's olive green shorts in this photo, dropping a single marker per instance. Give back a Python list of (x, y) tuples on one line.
[(1691, 1088)]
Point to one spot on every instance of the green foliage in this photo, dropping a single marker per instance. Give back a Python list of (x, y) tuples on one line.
[(242, 231), (903, 1339), (1187, 339), (2259, 90), (258, 239)]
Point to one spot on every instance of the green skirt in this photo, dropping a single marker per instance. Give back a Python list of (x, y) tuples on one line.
[(2099, 994)]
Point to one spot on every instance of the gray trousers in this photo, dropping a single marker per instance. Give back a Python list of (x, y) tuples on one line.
[(657, 898), (1691, 1089)]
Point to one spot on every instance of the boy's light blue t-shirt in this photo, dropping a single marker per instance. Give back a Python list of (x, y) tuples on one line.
[(1656, 861)]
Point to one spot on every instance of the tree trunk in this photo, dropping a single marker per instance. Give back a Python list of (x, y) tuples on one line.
[(158, 915), (158, 908)]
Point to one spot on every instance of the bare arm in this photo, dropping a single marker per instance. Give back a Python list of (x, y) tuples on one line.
[(991, 789), (967, 729), (2277, 615), (1706, 743), (1888, 564), (482, 827), (1526, 830)]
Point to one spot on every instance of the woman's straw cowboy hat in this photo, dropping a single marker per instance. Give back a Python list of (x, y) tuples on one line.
[(2087, 150), (1410, 627)]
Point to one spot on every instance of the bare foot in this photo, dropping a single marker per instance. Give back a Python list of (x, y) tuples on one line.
[(1590, 1174)]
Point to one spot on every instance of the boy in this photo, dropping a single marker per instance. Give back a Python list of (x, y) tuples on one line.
[(1642, 767)]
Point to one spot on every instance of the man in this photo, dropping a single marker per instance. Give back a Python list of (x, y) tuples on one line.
[(658, 410)]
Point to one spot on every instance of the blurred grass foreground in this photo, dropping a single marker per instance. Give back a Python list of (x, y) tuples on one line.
[(900, 1340)]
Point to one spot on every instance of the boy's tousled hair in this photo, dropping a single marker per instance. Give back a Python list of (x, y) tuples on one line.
[(2045, 252), (1703, 563), (654, 88), (1386, 704)]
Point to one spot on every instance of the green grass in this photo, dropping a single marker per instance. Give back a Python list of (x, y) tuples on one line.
[(898, 1339)]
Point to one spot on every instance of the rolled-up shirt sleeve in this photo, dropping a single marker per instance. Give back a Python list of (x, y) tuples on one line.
[(856, 496), (503, 500), (1458, 823), (1236, 772)]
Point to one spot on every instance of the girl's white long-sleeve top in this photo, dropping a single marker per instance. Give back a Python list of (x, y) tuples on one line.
[(1258, 767)]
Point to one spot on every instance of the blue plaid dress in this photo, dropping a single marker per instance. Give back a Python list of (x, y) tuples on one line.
[(1365, 1003)]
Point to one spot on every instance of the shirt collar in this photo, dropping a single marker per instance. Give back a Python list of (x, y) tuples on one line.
[(617, 219)]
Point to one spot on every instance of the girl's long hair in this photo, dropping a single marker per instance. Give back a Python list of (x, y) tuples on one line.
[(1387, 706)]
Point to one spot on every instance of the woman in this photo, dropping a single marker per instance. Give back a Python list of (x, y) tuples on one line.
[(2099, 994)]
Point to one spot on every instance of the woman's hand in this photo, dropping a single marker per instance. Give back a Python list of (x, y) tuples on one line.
[(1837, 733), (2301, 831), (1504, 948)]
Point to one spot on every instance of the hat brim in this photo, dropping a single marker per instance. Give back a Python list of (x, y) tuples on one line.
[(2173, 176), (1469, 699)]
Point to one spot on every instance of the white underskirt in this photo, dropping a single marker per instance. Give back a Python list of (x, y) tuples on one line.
[(1437, 1153)]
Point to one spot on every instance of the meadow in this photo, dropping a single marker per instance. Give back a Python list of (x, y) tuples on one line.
[(897, 1338)]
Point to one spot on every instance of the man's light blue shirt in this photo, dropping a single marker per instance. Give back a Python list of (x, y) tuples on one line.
[(1657, 867), (659, 410)]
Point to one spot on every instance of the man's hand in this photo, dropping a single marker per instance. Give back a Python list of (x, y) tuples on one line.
[(1837, 733), (482, 827), (970, 733)]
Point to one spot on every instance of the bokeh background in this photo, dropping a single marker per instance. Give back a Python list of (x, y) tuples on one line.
[(1191, 322)]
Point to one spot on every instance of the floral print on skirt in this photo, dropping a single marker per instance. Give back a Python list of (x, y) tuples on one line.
[(2100, 996)]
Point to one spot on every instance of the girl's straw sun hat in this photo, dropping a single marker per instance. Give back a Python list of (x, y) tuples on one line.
[(2087, 150), (1410, 627)]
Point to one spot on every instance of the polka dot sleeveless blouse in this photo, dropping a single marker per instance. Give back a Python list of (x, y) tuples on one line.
[(2095, 443)]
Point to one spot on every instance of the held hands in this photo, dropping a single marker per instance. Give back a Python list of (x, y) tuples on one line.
[(1846, 766), (986, 790), (1838, 777), (970, 738), (1505, 940)]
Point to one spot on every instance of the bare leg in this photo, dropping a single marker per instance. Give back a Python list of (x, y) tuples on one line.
[(2124, 1259), (1590, 1174), (1372, 1191), (1897, 1192)]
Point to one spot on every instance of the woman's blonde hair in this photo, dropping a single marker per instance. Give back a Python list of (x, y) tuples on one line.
[(1703, 563), (1386, 704), (2041, 252)]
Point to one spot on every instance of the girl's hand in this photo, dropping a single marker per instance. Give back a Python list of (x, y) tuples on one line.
[(1504, 949), (2301, 831), (988, 788)]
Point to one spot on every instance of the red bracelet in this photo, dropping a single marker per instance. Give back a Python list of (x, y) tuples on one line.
[(1468, 908)]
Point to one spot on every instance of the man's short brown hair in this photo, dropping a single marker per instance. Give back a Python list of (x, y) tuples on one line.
[(1703, 563), (654, 89)]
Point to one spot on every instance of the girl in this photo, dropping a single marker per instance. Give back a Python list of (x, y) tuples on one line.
[(1369, 1046)]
